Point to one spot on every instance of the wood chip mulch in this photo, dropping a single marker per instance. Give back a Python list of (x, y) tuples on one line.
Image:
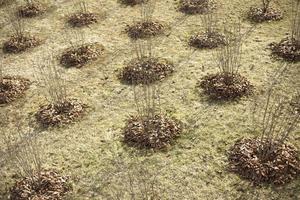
[(12, 87), (196, 6), (156, 132), (143, 30), (207, 40), (82, 55), (132, 2), (82, 19), (50, 186), (225, 86), (280, 167), (146, 70), (60, 114), (288, 49), (259, 15), (31, 10), (17, 44)]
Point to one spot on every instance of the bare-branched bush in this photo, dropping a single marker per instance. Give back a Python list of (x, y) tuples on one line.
[(296, 22)]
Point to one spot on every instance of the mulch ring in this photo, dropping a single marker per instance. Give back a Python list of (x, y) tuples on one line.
[(196, 6), (146, 70), (147, 29), (60, 114), (82, 19), (259, 15), (207, 40), (132, 2), (12, 87), (17, 44), (156, 132), (31, 10), (288, 49), (51, 185), (225, 86), (280, 166), (82, 55)]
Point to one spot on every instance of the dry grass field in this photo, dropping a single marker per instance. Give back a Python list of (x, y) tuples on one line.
[(91, 151)]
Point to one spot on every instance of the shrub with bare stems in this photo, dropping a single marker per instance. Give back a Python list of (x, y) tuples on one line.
[(20, 40), (11, 87), (228, 84), (146, 68), (147, 27), (269, 158), (265, 12), (209, 38), (61, 109), (32, 8), (289, 48), (24, 154), (196, 6), (80, 53)]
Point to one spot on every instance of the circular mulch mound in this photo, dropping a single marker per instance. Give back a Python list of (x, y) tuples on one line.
[(196, 6), (224, 86), (51, 186), (280, 167), (81, 56), (142, 30), (12, 87), (258, 15), (132, 2), (288, 49), (60, 114), (207, 40), (82, 19), (146, 70), (17, 44), (156, 132), (31, 10)]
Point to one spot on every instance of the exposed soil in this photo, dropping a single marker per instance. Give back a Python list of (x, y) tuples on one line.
[(49, 185), (146, 70), (60, 114), (82, 19), (12, 87), (81, 56), (17, 44), (259, 15), (142, 30), (207, 40), (280, 166), (196, 6), (31, 10), (155, 132), (223, 86), (288, 49)]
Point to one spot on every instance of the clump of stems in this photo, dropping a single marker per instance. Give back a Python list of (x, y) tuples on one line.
[(296, 22)]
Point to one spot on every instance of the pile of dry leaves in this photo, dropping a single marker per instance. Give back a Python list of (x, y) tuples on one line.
[(132, 2), (81, 56), (31, 10), (280, 167), (142, 30), (259, 15), (82, 19), (48, 185), (196, 6), (225, 86), (12, 87), (288, 49), (146, 70), (207, 40), (155, 132), (60, 114), (17, 44)]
